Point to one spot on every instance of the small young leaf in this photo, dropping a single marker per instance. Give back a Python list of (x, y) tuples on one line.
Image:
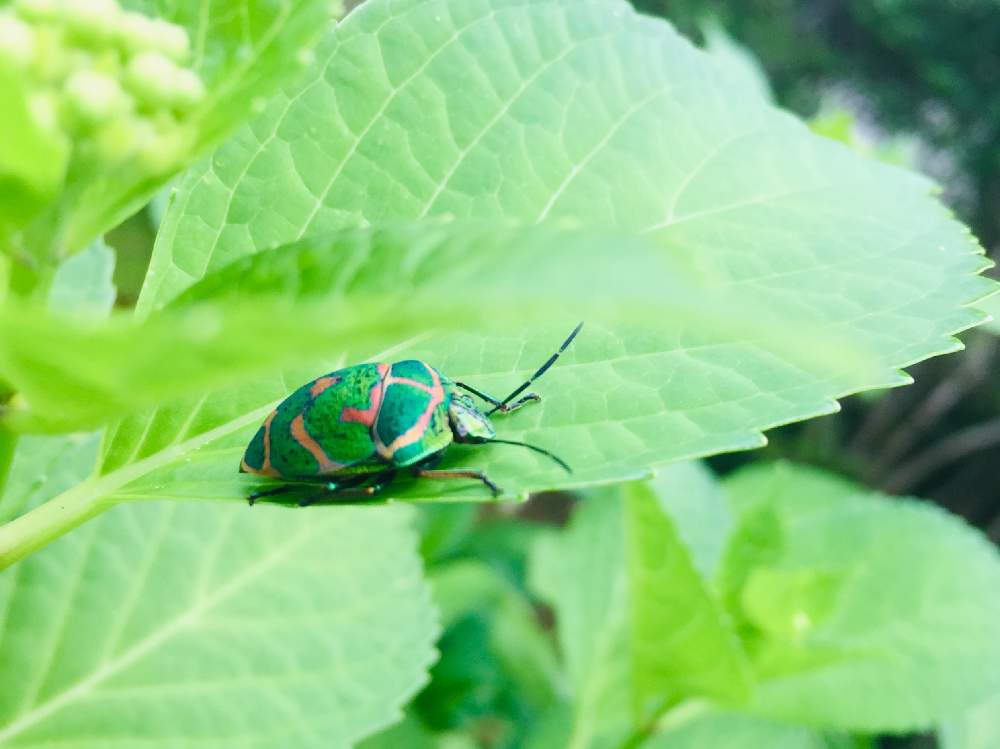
[(698, 507), (83, 284), (637, 625), (682, 645), (862, 612)]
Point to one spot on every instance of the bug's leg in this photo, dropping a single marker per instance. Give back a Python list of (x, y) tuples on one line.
[(332, 492), (496, 403), (424, 473), (506, 408), (538, 373), (480, 394), (283, 489)]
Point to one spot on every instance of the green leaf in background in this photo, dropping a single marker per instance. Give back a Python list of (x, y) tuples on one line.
[(991, 306), (526, 654), (221, 626), (697, 505), (867, 613), (682, 645), (581, 573), (585, 112), (978, 728), (83, 284), (642, 631)]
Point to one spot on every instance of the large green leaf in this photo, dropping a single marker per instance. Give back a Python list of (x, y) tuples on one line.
[(168, 624), (862, 613), (587, 113), (299, 302)]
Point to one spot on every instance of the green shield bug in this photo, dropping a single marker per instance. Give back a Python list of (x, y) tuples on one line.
[(350, 431)]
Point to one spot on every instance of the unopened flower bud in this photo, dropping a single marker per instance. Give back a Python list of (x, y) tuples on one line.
[(95, 98), (163, 150), (17, 41), (91, 21), (37, 10), (150, 77), (44, 107), (188, 89), (171, 39)]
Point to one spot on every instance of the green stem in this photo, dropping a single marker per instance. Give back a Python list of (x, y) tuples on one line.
[(8, 444), (48, 521), (669, 719)]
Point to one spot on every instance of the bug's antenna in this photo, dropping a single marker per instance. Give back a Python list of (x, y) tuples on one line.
[(562, 463), (541, 370)]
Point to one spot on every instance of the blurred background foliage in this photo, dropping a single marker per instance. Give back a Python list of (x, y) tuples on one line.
[(914, 82)]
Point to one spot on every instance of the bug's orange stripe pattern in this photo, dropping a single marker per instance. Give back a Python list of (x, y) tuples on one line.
[(415, 432), (266, 469), (301, 435), (368, 415), (322, 384)]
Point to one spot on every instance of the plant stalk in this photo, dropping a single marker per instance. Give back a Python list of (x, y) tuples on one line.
[(8, 444), (667, 719), (48, 521)]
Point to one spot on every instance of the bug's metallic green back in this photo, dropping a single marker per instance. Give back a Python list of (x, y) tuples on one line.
[(359, 420)]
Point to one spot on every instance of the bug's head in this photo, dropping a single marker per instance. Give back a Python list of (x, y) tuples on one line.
[(468, 423)]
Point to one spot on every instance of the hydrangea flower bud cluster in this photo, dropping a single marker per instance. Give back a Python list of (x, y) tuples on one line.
[(112, 82)]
